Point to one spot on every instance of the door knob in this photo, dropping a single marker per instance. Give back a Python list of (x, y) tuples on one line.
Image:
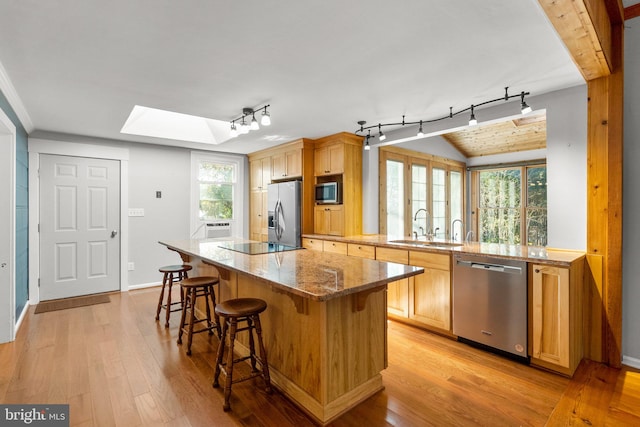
[(3, 265), (113, 234)]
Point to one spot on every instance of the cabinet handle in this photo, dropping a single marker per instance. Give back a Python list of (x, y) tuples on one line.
[(537, 270)]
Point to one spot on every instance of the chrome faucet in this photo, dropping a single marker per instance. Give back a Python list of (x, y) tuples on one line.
[(453, 226), (426, 229), (470, 236)]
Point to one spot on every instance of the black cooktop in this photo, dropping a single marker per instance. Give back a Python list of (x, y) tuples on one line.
[(258, 247)]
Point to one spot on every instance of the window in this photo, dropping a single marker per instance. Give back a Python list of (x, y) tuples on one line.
[(216, 183), (512, 205), (414, 182), (217, 191)]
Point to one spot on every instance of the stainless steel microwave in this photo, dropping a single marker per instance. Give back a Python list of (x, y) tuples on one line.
[(329, 192)]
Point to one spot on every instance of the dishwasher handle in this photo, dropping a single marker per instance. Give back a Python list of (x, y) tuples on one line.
[(498, 268)]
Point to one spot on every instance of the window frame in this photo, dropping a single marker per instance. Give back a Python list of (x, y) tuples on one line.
[(410, 158), (524, 202), (239, 193)]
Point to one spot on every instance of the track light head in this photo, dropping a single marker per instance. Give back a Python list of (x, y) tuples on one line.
[(244, 127), (234, 131), (472, 119), (254, 123), (524, 108), (420, 132), (367, 147), (381, 136), (266, 118)]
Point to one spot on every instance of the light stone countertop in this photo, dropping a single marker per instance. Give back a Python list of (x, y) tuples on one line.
[(319, 276), (533, 254)]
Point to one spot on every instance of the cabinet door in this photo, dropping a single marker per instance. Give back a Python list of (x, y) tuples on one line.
[(314, 244), (278, 166), (260, 173), (335, 157), (398, 291), (550, 306), (293, 163), (319, 221), (258, 216), (321, 161), (430, 292), (335, 220)]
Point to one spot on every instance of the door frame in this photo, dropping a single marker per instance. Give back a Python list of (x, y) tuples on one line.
[(8, 136), (43, 146)]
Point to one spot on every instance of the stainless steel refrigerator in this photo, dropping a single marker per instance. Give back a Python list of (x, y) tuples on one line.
[(283, 206)]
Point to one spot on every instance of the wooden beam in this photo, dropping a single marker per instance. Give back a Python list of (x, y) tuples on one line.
[(585, 36), (632, 12), (591, 30)]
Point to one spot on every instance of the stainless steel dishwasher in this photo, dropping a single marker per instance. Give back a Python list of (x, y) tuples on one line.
[(490, 302)]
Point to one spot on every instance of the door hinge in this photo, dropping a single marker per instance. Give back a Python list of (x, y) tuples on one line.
[(38, 228), (38, 282)]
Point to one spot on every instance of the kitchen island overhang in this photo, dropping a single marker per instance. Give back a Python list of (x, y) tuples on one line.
[(325, 326)]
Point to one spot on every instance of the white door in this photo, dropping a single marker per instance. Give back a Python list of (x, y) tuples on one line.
[(79, 226), (7, 224)]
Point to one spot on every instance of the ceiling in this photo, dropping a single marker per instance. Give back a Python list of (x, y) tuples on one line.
[(81, 67)]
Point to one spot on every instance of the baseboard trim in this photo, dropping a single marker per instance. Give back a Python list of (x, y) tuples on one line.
[(21, 318), (631, 361), (143, 286)]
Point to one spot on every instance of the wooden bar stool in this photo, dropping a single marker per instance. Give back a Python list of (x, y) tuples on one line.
[(192, 289), (234, 311), (172, 274)]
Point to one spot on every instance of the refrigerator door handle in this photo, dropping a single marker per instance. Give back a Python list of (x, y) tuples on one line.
[(279, 215)]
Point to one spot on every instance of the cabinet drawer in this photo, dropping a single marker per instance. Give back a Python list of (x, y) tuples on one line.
[(335, 247), (314, 244), (430, 260), (362, 251), (392, 255)]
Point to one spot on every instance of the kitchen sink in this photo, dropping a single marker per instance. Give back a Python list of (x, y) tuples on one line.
[(426, 243)]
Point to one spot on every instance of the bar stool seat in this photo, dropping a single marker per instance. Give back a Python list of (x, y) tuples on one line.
[(171, 275), (233, 311), (194, 288)]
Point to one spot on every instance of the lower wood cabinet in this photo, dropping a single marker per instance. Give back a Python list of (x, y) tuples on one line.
[(314, 244), (430, 292), (556, 316), (329, 219), (398, 291)]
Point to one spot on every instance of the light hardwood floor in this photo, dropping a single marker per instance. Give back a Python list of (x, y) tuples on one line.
[(115, 365)]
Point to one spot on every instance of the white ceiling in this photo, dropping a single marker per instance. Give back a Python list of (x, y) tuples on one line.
[(79, 67)]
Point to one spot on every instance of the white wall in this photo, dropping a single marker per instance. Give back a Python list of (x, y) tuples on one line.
[(566, 161), (153, 168), (631, 198)]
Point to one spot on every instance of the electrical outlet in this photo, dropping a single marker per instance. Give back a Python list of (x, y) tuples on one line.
[(136, 211), (131, 266)]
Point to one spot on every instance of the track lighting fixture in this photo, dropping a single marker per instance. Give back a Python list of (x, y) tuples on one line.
[(367, 147), (472, 119), (245, 125), (524, 108)]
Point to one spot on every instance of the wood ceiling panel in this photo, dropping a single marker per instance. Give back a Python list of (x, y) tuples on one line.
[(522, 134)]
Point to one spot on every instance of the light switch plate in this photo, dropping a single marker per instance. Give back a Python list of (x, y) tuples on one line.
[(131, 266), (136, 211)]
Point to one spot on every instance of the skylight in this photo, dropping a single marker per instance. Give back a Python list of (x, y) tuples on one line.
[(145, 121)]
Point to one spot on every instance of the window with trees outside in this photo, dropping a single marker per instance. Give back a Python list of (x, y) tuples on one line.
[(511, 205), (217, 192), (420, 195)]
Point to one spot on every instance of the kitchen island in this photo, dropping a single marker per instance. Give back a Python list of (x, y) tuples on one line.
[(325, 326)]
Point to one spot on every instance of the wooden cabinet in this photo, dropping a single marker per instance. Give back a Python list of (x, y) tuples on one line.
[(398, 291), (362, 251), (329, 160), (289, 161), (286, 164), (260, 173), (313, 244), (430, 292), (329, 219), (335, 247), (556, 316), (339, 158)]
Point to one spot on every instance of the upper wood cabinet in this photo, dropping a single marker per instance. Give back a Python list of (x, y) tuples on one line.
[(260, 173), (556, 312), (329, 160), (340, 156), (287, 164)]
